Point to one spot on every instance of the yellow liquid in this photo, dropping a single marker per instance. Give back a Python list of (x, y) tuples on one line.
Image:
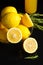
[(30, 6)]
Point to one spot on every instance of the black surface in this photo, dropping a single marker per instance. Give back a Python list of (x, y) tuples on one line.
[(11, 52)]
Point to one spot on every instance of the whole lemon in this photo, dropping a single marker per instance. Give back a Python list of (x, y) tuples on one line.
[(11, 20), (25, 31), (8, 9)]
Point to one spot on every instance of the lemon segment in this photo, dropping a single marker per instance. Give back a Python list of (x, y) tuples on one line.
[(26, 20), (11, 20), (14, 35), (25, 31), (30, 45), (8, 9)]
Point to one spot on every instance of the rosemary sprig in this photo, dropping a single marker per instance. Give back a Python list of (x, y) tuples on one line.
[(32, 57), (37, 15), (39, 27), (37, 20)]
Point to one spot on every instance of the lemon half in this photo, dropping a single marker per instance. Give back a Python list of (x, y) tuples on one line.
[(14, 35), (30, 45)]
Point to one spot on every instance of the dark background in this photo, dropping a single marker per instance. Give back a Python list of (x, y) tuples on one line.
[(19, 4), (7, 51)]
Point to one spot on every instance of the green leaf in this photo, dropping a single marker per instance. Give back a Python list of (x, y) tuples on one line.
[(37, 20), (36, 14), (32, 57), (38, 26)]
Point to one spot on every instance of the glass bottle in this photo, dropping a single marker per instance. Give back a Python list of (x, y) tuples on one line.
[(30, 6)]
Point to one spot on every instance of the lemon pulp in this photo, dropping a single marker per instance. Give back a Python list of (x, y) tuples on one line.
[(30, 45), (14, 35)]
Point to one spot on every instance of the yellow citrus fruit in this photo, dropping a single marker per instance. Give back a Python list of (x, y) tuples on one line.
[(26, 20), (30, 45), (11, 20), (3, 33), (21, 15), (14, 35), (25, 31), (8, 9)]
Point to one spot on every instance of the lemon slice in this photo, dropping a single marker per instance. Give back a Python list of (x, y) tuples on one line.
[(26, 20), (14, 35), (30, 45)]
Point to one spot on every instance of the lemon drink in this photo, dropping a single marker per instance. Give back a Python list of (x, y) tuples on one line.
[(30, 6)]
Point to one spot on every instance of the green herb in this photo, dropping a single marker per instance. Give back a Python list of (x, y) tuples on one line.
[(37, 19), (36, 14), (39, 27), (32, 57)]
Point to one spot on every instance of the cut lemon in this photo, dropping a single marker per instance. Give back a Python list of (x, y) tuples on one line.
[(30, 45), (26, 20), (14, 35)]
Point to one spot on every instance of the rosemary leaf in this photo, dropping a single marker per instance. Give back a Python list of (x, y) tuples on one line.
[(36, 14), (36, 20), (32, 57), (38, 26)]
